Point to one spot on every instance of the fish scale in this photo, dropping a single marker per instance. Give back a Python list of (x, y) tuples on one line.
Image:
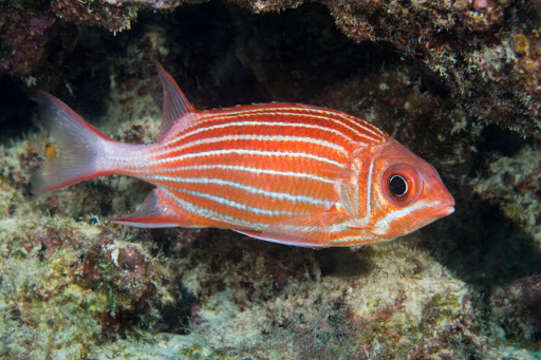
[(281, 172)]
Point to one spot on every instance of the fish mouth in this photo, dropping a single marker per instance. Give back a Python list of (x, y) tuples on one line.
[(447, 210), (444, 208), (447, 206)]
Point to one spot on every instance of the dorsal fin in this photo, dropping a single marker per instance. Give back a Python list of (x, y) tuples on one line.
[(175, 105)]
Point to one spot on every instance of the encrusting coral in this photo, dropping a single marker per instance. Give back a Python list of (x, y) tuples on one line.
[(513, 184), (486, 52)]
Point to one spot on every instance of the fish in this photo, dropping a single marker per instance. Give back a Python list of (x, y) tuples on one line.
[(288, 173)]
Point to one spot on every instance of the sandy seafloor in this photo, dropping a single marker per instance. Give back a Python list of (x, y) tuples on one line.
[(75, 286)]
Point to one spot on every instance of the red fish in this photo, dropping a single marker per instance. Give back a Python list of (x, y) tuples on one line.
[(287, 173)]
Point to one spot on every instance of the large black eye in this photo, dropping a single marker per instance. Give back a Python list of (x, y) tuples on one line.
[(398, 186)]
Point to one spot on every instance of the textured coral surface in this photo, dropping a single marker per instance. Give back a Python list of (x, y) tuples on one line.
[(485, 52), (457, 82)]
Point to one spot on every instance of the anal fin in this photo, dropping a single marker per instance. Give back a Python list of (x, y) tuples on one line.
[(157, 211)]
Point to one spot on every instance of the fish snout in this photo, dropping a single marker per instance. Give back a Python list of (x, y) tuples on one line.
[(447, 204)]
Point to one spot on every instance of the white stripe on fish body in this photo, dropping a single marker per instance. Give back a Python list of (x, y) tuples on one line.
[(308, 231), (247, 152), (248, 137), (377, 134), (213, 215), (356, 173), (368, 193), (291, 184), (381, 227), (240, 206), (251, 170), (250, 189), (331, 232), (228, 220), (198, 128)]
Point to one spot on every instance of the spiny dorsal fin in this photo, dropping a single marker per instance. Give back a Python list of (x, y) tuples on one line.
[(175, 104)]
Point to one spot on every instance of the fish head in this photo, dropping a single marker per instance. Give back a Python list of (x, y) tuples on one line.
[(406, 192)]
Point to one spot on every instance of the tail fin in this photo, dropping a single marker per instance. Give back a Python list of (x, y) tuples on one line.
[(81, 147)]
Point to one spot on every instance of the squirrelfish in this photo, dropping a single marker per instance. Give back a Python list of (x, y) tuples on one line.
[(281, 172)]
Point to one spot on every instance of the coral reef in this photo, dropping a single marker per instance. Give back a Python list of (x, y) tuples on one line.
[(513, 184), (95, 13), (68, 284), (486, 52), (432, 74), (24, 38), (515, 308)]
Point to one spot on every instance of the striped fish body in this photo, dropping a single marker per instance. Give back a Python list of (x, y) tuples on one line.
[(264, 169), (287, 173)]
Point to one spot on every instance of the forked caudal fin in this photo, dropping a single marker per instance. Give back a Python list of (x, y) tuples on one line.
[(85, 152), (82, 149)]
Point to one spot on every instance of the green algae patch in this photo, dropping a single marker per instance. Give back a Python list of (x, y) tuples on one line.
[(94, 303), (51, 302), (48, 310)]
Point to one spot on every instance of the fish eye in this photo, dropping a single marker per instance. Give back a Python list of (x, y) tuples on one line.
[(398, 185), (401, 184)]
